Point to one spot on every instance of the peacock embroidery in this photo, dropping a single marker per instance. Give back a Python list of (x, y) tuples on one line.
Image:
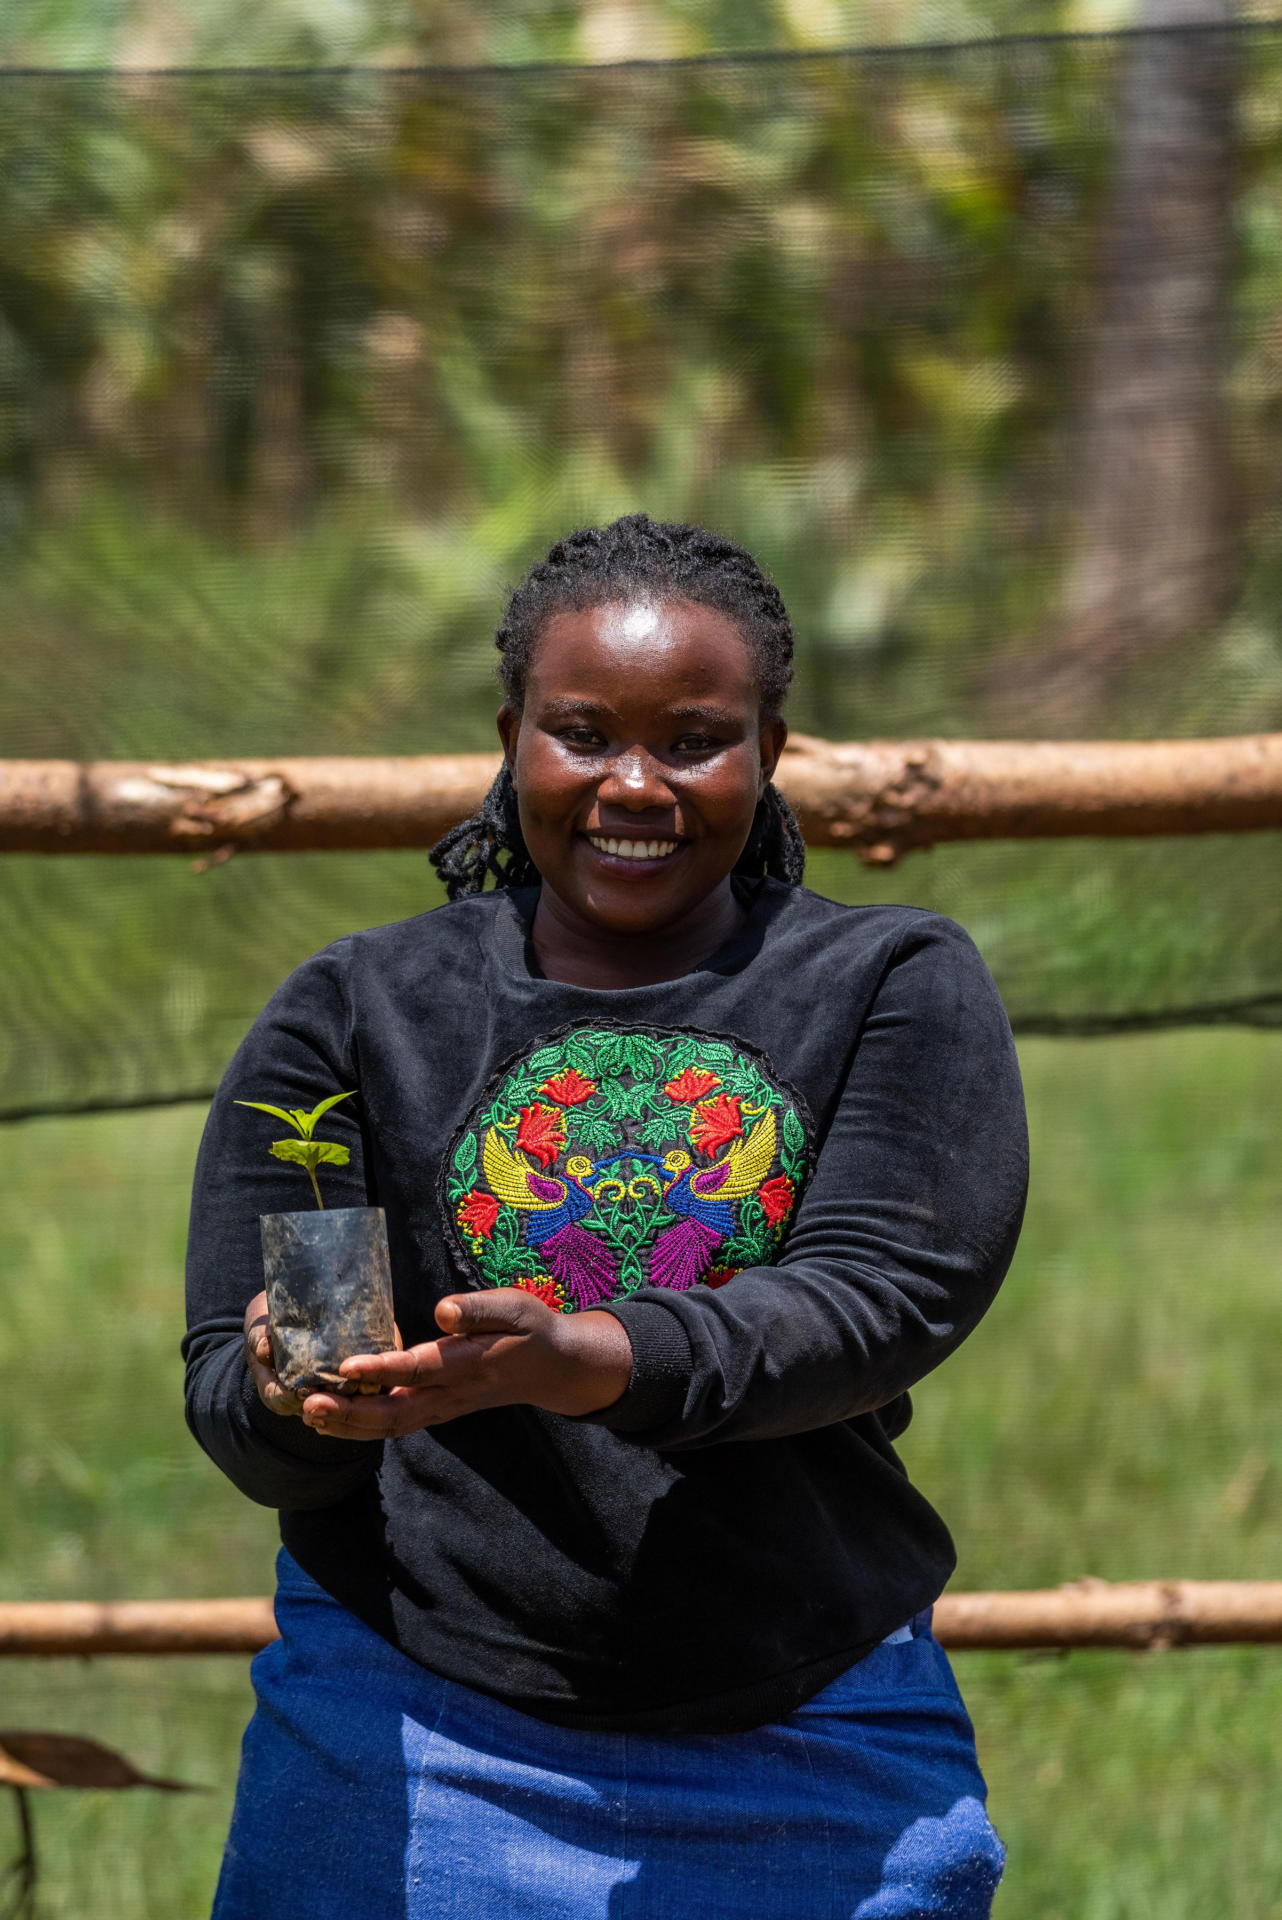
[(611, 1159)]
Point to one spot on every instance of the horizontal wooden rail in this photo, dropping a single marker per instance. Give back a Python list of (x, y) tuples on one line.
[(1097, 1613), (879, 798), (1089, 1613), (135, 1626)]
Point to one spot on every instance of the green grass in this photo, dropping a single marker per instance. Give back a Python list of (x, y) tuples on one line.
[(1115, 1415)]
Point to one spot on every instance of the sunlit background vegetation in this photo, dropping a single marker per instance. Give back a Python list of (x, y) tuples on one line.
[(299, 370)]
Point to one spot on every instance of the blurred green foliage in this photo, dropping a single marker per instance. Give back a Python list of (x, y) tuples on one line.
[(298, 370), (1112, 1416), (301, 32)]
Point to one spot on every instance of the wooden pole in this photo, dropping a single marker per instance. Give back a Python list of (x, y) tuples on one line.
[(881, 799), (1097, 1613), (84, 1627), (1089, 1613)]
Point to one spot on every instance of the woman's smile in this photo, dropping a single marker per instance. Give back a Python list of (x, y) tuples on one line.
[(631, 853)]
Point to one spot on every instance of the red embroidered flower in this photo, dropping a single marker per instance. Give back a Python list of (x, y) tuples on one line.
[(569, 1088), (691, 1084), (715, 1123), (477, 1214), (717, 1276), (543, 1287), (541, 1132), (776, 1198)]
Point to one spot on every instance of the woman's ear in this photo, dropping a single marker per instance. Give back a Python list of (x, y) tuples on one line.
[(773, 734), (509, 725)]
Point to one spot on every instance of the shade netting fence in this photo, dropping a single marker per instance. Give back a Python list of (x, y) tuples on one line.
[(977, 347), (980, 350)]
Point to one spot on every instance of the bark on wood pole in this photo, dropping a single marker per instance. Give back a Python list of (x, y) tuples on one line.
[(1088, 1613), (880, 799)]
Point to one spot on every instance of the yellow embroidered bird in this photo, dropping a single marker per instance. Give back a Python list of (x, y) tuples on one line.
[(553, 1210), (701, 1196)]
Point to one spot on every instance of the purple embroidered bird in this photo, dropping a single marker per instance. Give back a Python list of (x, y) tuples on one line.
[(701, 1196), (553, 1210)]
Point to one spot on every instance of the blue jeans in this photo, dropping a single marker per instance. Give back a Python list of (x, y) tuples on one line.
[(373, 1790)]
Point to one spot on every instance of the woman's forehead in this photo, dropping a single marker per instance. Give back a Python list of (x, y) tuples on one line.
[(668, 647)]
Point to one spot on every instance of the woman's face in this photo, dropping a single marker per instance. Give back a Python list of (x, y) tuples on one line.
[(639, 758)]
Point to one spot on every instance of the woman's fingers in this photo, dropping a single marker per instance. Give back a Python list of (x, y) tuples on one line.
[(408, 1368), (497, 1348), (498, 1310), (466, 1319), (258, 1358), (383, 1416), (275, 1398)]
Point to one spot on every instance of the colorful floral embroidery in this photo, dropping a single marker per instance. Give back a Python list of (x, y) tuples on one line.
[(693, 1083), (477, 1214), (776, 1197), (541, 1132), (569, 1089), (611, 1159), (715, 1123), (543, 1287)]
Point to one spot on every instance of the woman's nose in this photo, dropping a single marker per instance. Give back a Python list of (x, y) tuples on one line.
[(636, 781)]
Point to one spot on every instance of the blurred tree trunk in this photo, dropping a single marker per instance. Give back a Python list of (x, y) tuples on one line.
[(1153, 555)]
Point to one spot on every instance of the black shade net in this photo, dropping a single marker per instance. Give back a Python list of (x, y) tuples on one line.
[(979, 349)]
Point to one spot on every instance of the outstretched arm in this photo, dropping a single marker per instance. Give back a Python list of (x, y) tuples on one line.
[(296, 1054), (901, 1240)]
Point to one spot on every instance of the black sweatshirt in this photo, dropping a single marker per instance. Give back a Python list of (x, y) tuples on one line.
[(795, 1175)]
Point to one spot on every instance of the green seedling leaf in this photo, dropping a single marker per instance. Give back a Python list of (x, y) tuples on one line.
[(311, 1153), (324, 1107), (330, 1154), (301, 1152), (306, 1152), (277, 1113)]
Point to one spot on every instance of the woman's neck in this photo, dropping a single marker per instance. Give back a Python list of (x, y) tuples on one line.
[(581, 954)]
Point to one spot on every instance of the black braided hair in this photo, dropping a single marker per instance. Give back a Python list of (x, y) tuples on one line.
[(590, 568)]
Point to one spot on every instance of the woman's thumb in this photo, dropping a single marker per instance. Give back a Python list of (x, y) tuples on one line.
[(496, 1311)]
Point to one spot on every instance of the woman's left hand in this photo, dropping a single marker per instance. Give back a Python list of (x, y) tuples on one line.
[(498, 1349)]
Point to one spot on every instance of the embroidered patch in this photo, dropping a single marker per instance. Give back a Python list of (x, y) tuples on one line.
[(612, 1158)]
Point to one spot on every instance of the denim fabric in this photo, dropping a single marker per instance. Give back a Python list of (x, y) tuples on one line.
[(371, 1789)]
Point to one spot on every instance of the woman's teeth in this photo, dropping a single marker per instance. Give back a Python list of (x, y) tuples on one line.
[(634, 849)]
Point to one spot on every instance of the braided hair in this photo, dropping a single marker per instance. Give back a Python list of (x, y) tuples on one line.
[(591, 568)]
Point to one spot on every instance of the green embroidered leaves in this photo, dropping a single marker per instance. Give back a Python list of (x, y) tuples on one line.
[(306, 1151), (793, 1152), (611, 1159)]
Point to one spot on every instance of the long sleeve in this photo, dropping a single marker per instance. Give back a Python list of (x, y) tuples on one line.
[(822, 1133), (901, 1240), (298, 1052)]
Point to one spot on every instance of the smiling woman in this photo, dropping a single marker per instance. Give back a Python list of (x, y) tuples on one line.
[(689, 1175), (639, 756)]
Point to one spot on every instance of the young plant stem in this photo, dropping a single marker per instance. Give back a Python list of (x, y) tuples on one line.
[(311, 1175)]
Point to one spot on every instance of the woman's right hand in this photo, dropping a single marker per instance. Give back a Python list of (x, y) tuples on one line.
[(258, 1358)]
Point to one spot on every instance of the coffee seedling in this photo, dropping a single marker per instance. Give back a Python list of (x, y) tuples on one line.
[(306, 1151)]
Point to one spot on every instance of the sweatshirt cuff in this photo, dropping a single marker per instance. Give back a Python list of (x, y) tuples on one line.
[(662, 1368), (288, 1434)]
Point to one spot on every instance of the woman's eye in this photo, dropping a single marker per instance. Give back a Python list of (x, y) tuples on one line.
[(695, 743), (583, 737)]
